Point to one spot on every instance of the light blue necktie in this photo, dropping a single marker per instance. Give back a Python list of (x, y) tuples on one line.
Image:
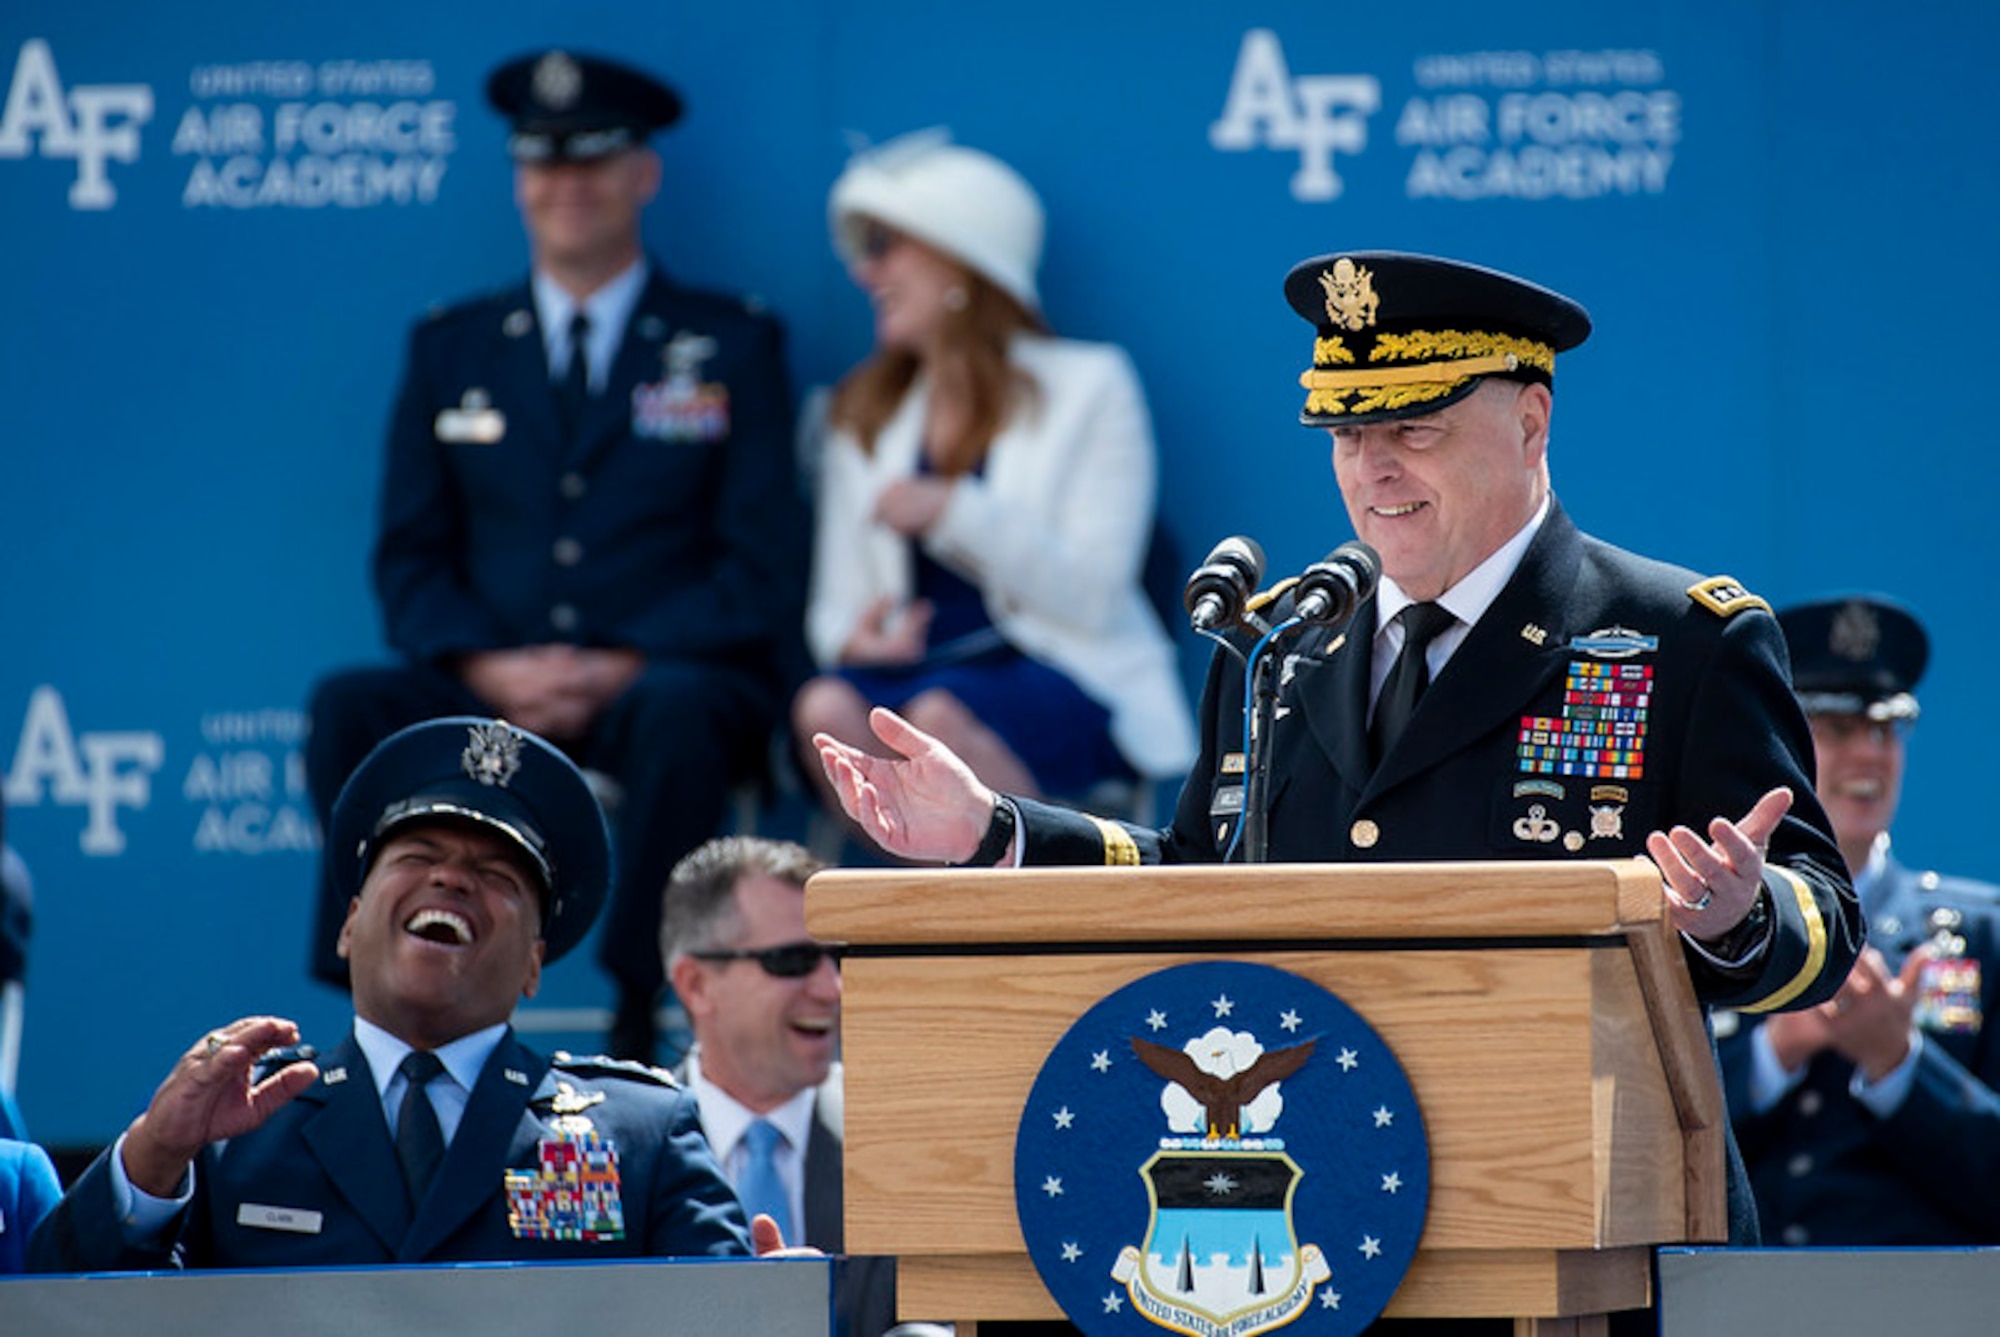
[(759, 1186)]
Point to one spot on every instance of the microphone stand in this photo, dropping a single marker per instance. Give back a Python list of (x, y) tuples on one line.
[(1262, 707)]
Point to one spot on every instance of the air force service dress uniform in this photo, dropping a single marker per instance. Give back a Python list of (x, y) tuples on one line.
[(1601, 696), (1827, 1168), (320, 1184), (667, 519)]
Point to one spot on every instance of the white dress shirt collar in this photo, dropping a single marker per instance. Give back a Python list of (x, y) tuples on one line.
[(1467, 601)]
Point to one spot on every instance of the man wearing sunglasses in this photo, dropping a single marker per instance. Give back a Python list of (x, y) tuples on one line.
[(763, 1000), (1872, 1119)]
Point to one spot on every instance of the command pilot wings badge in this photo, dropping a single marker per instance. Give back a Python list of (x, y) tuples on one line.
[(1221, 1149)]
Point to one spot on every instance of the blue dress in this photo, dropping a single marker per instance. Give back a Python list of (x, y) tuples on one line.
[(1060, 734)]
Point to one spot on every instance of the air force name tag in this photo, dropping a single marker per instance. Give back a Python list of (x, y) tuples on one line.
[(297, 1220), (1221, 1149)]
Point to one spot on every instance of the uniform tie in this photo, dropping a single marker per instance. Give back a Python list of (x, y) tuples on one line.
[(1408, 676), (759, 1186), (576, 380), (419, 1139)]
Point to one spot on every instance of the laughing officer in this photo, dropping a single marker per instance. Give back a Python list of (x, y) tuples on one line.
[(590, 521), (1874, 1118), (474, 853), (1516, 689)]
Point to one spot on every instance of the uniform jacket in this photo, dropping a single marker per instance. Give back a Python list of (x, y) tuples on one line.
[(1721, 728), (28, 1190), (1826, 1170), (673, 524), (1054, 532), (327, 1159)]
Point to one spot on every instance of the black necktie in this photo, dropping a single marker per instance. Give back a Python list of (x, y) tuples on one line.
[(576, 380), (1408, 676), (419, 1139)]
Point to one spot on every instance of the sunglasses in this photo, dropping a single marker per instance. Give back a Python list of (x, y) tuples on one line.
[(791, 961), (878, 239)]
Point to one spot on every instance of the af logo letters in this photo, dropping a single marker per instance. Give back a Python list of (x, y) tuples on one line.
[(102, 771), (1319, 115), (93, 123)]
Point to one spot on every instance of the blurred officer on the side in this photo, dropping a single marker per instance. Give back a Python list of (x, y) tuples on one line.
[(28, 1191), (1515, 689), (590, 519), (1874, 1118), (474, 853)]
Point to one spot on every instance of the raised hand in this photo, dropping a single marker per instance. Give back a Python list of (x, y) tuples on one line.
[(1712, 884), (209, 1096), (921, 803)]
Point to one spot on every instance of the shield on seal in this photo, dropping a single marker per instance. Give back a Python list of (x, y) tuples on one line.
[(1221, 1257)]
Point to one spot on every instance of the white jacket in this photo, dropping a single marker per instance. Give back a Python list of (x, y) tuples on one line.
[(1054, 533)]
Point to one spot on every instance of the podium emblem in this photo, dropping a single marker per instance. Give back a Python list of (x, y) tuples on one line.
[(1221, 1149)]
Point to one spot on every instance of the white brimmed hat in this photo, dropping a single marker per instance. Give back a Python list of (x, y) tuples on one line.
[(965, 203)]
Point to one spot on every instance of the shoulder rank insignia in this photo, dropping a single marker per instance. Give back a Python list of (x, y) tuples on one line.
[(1724, 596), (603, 1065)]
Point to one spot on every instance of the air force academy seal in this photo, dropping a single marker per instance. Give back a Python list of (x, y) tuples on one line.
[(1221, 1149)]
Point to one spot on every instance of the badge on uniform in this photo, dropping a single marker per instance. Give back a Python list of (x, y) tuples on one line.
[(1601, 732), (1948, 984), (681, 406), (475, 422), (574, 1194)]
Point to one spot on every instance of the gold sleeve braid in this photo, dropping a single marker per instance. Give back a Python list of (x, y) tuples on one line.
[(1815, 948), (1120, 850)]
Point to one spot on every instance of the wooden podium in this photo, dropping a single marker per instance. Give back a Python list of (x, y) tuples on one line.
[(1542, 1012)]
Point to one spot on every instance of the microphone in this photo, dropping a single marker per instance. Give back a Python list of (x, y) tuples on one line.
[(1330, 588), (1217, 590)]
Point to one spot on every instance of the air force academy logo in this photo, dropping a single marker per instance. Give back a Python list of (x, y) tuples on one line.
[(1221, 1149)]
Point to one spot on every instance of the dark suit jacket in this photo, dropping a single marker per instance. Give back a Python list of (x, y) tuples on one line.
[(1721, 728), (329, 1153), (1826, 1170), (679, 495), (865, 1294)]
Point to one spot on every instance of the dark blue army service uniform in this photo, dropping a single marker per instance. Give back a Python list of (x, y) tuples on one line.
[(671, 523), (1464, 781), (1826, 1169), (318, 1184), (1507, 755)]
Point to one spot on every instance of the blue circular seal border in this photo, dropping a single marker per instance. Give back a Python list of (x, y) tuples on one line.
[(1097, 1117)]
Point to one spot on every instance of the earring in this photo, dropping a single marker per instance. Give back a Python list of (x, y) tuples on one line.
[(956, 298)]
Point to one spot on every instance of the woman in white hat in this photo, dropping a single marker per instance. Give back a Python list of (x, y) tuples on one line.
[(986, 499)]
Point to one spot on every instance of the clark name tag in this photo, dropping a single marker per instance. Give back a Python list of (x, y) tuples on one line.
[(295, 1219)]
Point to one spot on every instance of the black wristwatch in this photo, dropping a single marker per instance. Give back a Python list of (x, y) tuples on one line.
[(998, 841)]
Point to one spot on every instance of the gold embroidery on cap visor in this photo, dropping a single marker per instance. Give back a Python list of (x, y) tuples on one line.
[(1433, 365)]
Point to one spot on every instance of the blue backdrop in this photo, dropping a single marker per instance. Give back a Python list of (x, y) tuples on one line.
[(220, 222)]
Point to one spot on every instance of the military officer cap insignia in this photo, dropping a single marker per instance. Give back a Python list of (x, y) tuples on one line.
[(1402, 335), (566, 107), (1857, 654), (493, 775)]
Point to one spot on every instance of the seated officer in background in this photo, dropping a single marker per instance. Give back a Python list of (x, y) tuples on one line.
[(1516, 688), (1873, 1118), (763, 998), (474, 853), (590, 519)]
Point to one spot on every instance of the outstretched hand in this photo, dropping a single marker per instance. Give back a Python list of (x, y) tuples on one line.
[(920, 802), (1712, 884), (210, 1096)]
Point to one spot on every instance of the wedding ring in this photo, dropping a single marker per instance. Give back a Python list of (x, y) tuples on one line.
[(211, 1046), (1707, 899)]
